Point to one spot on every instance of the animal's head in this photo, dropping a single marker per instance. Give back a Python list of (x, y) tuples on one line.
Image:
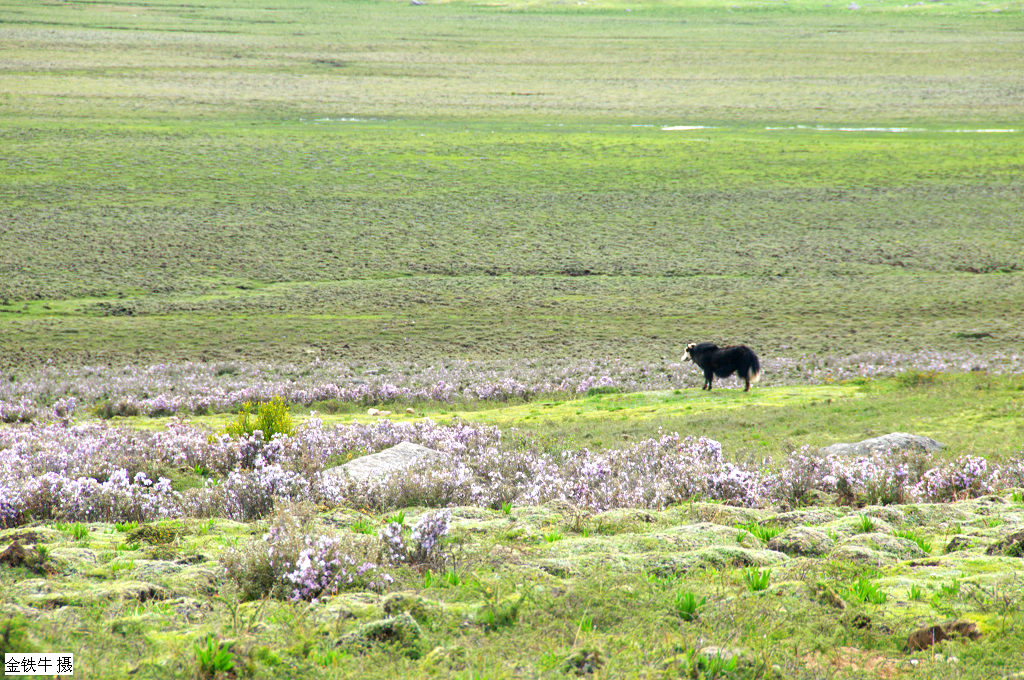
[(694, 350), (689, 352)]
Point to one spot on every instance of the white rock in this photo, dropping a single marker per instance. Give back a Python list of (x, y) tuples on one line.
[(377, 465), (897, 441)]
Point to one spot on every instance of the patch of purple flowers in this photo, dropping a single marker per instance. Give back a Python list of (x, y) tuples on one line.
[(424, 538), (427, 534), (652, 473), (966, 477), (394, 543), (167, 389), (99, 472), (887, 477), (323, 568), (19, 409), (297, 561)]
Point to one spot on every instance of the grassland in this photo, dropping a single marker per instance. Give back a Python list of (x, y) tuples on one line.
[(384, 182), (356, 179)]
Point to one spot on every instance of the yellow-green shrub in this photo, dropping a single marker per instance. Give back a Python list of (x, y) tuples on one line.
[(271, 417)]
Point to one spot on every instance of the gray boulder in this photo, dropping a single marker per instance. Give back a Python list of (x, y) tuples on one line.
[(896, 441), (377, 465)]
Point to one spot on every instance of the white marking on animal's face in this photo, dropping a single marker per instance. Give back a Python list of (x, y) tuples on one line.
[(687, 357)]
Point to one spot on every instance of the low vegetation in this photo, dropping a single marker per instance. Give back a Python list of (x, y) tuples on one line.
[(97, 471), (241, 559), (638, 589), (231, 231)]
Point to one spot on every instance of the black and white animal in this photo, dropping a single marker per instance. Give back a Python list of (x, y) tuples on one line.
[(724, 361)]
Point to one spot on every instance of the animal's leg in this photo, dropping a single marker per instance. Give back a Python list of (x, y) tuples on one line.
[(708, 377)]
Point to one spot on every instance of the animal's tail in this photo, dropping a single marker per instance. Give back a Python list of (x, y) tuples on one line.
[(754, 369)]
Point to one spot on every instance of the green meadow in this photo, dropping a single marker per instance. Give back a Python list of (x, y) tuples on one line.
[(373, 180), (381, 181)]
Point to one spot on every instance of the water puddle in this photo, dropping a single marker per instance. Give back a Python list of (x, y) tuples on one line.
[(821, 128), (338, 120)]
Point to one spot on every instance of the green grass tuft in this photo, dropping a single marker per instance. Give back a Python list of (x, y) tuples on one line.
[(922, 542), (763, 532), (755, 579), (687, 606), (863, 590)]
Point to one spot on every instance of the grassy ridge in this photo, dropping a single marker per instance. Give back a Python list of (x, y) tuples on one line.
[(173, 208), (971, 414), (975, 415)]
